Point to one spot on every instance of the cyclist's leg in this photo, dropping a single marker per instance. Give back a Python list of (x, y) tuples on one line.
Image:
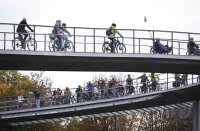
[(58, 43), (113, 41), (25, 35), (20, 36), (62, 41), (65, 40)]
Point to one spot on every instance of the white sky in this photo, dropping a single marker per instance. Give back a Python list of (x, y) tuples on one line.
[(173, 15)]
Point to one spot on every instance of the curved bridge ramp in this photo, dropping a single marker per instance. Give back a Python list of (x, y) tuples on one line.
[(172, 98)]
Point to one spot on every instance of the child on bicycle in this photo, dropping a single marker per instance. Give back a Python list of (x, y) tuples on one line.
[(111, 36), (64, 37)]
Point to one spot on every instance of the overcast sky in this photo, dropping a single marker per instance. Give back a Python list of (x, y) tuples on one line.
[(173, 15)]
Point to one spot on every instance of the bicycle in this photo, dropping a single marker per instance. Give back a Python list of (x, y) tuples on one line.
[(30, 43), (119, 47), (53, 44), (195, 53), (129, 89), (155, 50)]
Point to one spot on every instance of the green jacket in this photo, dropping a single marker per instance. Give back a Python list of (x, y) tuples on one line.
[(114, 32)]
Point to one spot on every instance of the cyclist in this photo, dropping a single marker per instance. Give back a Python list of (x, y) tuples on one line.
[(111, 36), (129, 85), (21, 30), (64, 37), (58, 33), (144, 82), (192, 46), (153, 81), (160, 48)]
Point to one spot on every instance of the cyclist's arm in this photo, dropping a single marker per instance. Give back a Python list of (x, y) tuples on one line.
[(116, 31), (119, 33), (65, 30), (29, 27), (68, 32)]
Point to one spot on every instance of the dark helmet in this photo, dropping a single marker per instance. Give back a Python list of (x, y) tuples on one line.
[(63, 24), (191, 38), (24, 19), (113, 24)]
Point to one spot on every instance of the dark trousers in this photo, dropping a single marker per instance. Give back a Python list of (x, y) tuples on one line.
[(23, 32), (113, 44)]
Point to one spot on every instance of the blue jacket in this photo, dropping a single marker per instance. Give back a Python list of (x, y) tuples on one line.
[(90, 87)]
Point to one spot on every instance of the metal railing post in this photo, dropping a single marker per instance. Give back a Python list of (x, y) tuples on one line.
[(172, 41), (14, 37), (45, 41), (139, 46), (179, 48), (74, 39), (134, 41), (85, 39), (4, 40), (34, 37), (192, 79), (94, 40)]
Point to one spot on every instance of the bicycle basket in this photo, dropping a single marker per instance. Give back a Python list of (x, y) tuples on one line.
[(51, 36)]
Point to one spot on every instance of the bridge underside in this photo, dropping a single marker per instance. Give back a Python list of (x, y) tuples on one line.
[(58, 61), (179, 97)]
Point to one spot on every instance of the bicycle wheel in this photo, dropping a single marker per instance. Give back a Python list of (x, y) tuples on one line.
[(121, 48), (106, 47), (151, 50), (16, 44), (32, 44), (69, 47), (52, 46)]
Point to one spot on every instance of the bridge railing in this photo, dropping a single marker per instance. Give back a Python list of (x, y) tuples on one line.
[(92, 39), (164, 82)]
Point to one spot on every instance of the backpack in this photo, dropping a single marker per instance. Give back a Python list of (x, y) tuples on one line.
[(109, 31), (54, 31)]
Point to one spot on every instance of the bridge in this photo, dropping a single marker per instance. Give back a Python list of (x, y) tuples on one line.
[(172, 98), (88, 56)]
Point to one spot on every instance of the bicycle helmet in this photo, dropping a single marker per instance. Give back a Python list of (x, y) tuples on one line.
[(63, 24), (58, 21), (24, 19), (157, 39), (113, 24)]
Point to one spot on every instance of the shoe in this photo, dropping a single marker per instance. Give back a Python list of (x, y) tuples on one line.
[(66, 45), (23, 45)]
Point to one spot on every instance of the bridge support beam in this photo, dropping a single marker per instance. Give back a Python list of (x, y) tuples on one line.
[(116, 123), (196, 115)]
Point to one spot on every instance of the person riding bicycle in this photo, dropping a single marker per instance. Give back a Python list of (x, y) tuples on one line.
[(111, 36), (192, 46), (153, 81), (64, 37), (144, 82), (129, 85), (160, 48), (21, 30), (58, 33)]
